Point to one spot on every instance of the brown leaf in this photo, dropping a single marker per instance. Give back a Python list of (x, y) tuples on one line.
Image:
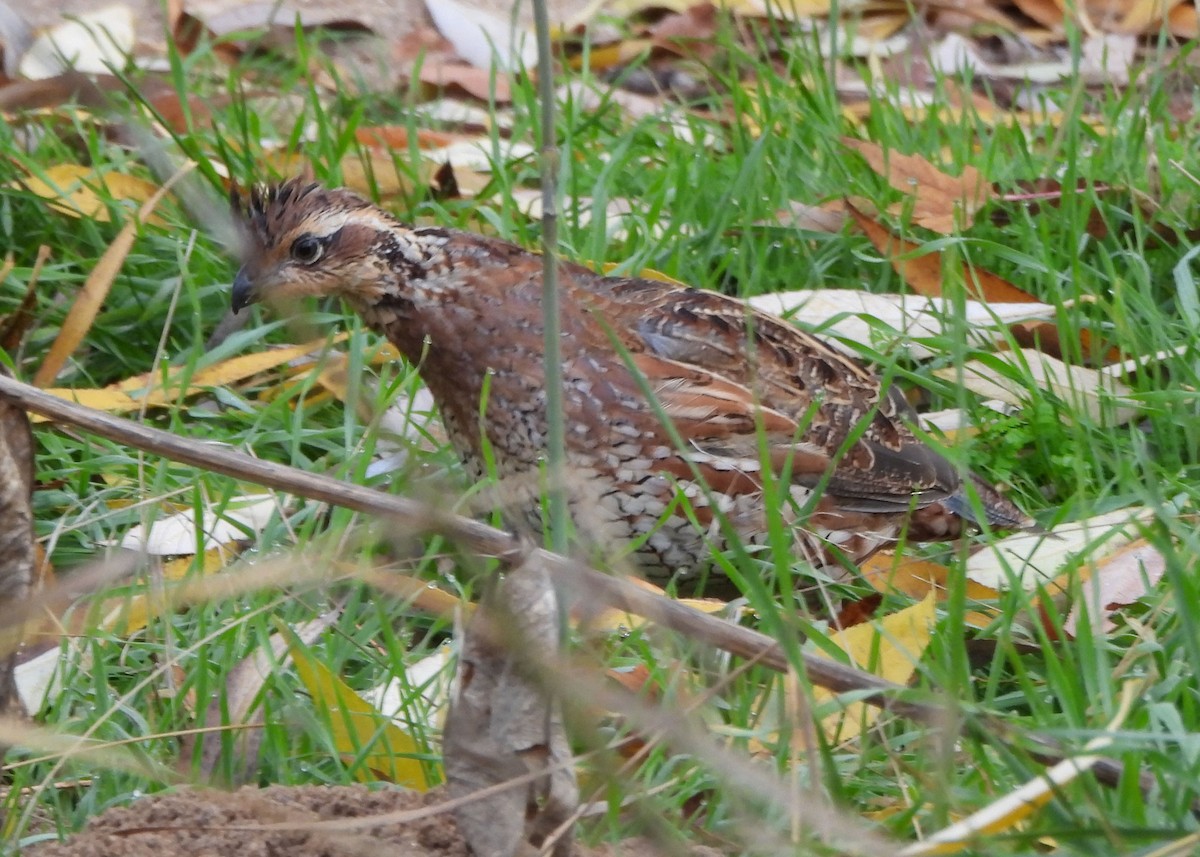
[(503, 724), (1046, 338), (1183, 22), (1118, 580), (235, 707), (828, 217), (1048, 13), (688, 33), (1147, 16), (463, 78), (856, 612), (396, 137), (942, 202), (227, 22), (923, 272)]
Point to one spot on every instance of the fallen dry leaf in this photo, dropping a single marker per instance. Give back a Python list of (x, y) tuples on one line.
[(1030, 560), (505, 723), (95, 288), (1118, 580), (95, 41), (483, 36), (889, 573), (829, 217), (889, 648), (80, 191), (150, 390), (922, 270), (892, 322), (179, 534), (231, 24), (377, 746), (1007, 812), (1009, 375), (941, 202), (234, 706)]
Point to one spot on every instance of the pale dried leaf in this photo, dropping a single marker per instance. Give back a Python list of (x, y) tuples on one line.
[(620, 214), (1087, 391), (1028, 560), (223, 18), (893, 321), (814, 218), (93, 42), (15, 38), (503, 724), (40, 677), (484, 37), (1118, 580), (243, 685), (1107, 59), (431, 677), (179, 534)]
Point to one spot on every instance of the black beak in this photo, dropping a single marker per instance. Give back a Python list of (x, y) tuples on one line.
[(243, 291)]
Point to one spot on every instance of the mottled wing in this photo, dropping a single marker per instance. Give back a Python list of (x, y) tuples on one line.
[(841, 424)]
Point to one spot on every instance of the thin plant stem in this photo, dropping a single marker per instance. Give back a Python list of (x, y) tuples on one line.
[(556, 500)]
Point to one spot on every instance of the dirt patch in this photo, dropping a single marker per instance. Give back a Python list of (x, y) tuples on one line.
[(205, 823)]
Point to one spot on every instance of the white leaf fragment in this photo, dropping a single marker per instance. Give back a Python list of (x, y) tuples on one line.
[(895, 321), (93, 42), (176, 535), (1103, 398), (1025, 560), (483, 37)]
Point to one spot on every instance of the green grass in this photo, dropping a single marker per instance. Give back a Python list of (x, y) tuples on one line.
[(707, 217)]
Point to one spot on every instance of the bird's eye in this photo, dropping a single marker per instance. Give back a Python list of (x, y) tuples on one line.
[(306, 249)]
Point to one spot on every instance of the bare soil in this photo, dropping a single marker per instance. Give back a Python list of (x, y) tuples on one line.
[(274, 822)]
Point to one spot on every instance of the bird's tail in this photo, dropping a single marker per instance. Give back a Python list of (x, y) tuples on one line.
[(975, 496)]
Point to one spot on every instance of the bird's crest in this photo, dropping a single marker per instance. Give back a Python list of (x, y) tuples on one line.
[(270, 212)]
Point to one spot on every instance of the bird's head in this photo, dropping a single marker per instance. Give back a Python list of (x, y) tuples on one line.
[(301, 239)]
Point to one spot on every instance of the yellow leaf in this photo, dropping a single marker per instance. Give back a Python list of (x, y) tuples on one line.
[(644, 273), (95, 288), (128, 615), (112, 401), (379, 748), (1146, 16), (890, 649), (80, 191), (148, 390)]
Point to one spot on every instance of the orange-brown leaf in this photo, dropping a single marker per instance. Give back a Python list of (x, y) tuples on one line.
[(941, 202), (923, 271)]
